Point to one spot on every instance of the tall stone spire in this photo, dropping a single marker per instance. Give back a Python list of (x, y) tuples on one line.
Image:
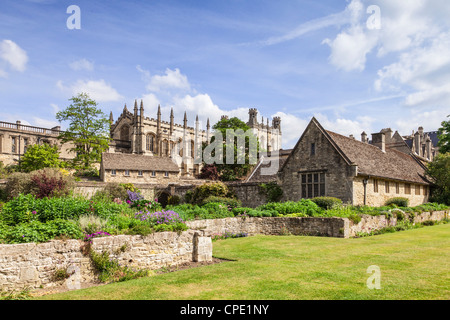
[(207, 131), (185, 121), (171, 121), (111, 118)]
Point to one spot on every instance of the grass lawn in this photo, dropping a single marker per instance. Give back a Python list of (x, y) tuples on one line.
[(414, 265)]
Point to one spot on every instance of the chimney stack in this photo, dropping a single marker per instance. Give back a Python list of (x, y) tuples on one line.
[(379, 140), (428, 148), (364, 137), (417, 145)]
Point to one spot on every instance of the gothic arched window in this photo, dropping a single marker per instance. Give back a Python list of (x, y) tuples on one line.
[(125, 133), (150, 142), (165, 148)]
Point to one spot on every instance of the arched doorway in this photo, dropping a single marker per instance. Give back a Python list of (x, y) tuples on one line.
[(163, 198)]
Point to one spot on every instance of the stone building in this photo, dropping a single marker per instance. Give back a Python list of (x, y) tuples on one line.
[(324, 163), (423, 144), (15, 138), (269, 135), (133, 133), (133, 168)]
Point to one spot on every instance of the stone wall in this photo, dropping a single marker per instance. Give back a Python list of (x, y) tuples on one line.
[(328, 227), (370, 223), (248, 193), (32, 265)]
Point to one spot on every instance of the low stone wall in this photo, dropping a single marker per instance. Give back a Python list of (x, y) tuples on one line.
[(248, 193), (32, 265), (328, 227), (371, 223)]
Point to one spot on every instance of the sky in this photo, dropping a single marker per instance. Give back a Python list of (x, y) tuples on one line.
[(356, 65)]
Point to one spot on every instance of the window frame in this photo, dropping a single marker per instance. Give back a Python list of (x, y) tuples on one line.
[(312, 184)]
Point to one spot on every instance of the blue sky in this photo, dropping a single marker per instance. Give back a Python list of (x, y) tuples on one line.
[(293, 59)]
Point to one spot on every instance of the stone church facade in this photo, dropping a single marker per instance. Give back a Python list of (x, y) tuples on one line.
[(133, 133)]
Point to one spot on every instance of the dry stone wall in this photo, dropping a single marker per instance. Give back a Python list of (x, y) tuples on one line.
[(32, 265)]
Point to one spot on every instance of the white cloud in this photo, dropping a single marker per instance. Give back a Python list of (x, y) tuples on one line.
[(347, 127), (171, 80), (44, 123), (350, 48), (14, 56), (82, 64), (429, 120), (292, 128), (98, 90)]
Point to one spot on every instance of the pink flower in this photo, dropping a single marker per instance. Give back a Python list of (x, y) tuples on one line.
[(34, 212)]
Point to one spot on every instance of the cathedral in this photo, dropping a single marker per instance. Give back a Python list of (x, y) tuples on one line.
[(133, 133)]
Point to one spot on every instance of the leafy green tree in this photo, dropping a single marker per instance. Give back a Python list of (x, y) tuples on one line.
[(444, 136), (88, 130), (40, 156), (439, 172), (241, 144)]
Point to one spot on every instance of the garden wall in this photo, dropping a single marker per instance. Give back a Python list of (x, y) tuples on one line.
[(248, 193), (328, 227), (370, 223), (32, 265)]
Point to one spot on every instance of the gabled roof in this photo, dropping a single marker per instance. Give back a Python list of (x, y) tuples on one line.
[(257, 176), (371, 160), (126, 161)]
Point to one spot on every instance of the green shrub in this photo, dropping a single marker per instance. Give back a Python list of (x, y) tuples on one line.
[(173, 200), (17, 183), (112, 191), (400, 215), (36, 231), (327, 202), (141, 229), (66, 228), (272, 191), (398, 201), (217, 189), (305, 206), (229, 202), (355, 218), (25, 208), (88, 173), (90, 223)]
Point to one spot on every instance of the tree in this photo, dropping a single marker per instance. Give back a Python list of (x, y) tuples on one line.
[(439, 172), (88, 130), (444, 136), (243, 146), (40, 156)]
